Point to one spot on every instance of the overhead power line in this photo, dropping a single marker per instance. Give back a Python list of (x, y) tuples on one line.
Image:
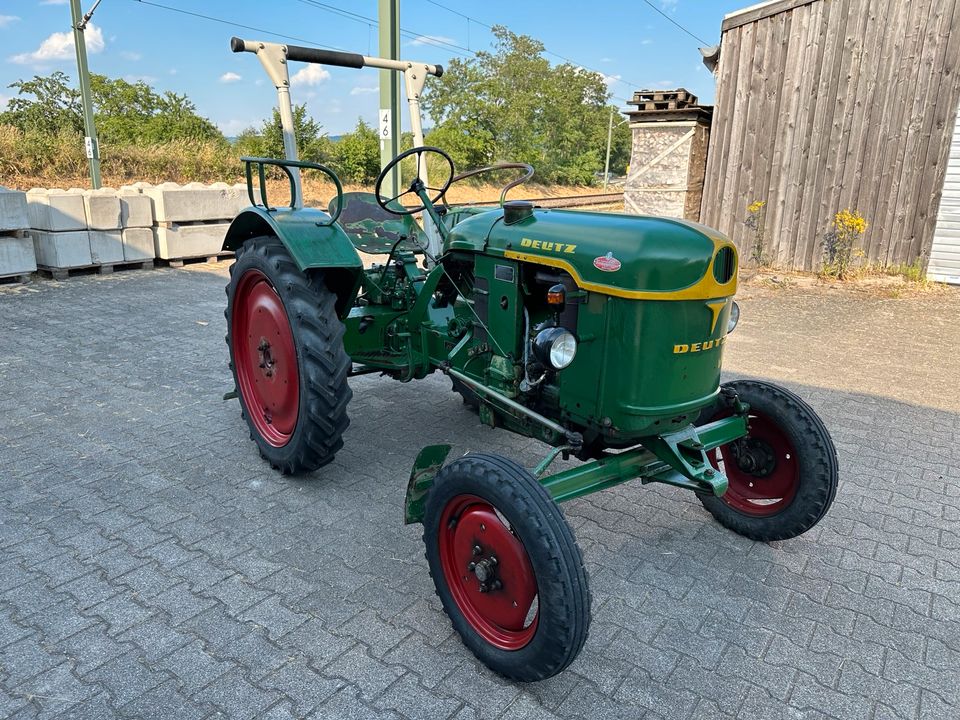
[(236, 24), (661, 12), (472, 19), (406, 32)]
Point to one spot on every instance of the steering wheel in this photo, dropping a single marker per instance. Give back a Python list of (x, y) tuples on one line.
[(500, 166), (416, 185)]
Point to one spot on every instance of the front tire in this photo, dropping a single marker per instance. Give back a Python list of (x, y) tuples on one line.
[(506, 567), (287, 357), (783, 475)]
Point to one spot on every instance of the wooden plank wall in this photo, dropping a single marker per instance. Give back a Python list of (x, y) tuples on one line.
[(831, 104)]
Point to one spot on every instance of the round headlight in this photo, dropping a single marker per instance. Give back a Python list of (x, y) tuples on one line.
[(555, 347), (734, 317)]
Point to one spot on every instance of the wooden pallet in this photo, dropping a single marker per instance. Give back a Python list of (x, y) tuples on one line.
[(663, 99), (105, 269), (180, 262), (15, 279)]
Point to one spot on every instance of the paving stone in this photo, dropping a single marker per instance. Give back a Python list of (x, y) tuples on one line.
[(234, 695), (368, 674), (306, 687)]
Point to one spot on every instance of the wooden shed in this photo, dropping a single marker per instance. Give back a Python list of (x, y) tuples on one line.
[(824, 105)]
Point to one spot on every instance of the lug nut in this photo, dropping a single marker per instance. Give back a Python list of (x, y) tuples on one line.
[(477, 550)]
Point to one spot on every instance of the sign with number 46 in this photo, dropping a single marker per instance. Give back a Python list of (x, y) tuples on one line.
[(386, 127)]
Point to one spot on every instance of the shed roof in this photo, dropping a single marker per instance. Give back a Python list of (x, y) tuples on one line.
[(760, 11)]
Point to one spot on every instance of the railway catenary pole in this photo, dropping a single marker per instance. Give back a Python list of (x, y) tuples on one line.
[(389, 120), (79, 25)]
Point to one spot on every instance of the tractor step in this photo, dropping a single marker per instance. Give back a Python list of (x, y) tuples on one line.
[(55, 273)]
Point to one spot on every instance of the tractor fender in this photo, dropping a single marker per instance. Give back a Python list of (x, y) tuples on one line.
[(425, 468), (313, 244)]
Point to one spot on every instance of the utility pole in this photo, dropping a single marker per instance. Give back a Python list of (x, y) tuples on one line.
[(90, 141), (389, 119), (606, 165)]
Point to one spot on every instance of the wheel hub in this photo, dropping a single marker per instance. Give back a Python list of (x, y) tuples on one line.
[(485, 571), (267, 363), (488, 572), (754, 456)]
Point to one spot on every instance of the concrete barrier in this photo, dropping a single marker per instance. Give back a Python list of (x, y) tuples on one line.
[(62, 249), (186, 241), (106, 247), (194, 202), (13, 210), (102, 208), (56, 210), (137, 244), (136, 209)]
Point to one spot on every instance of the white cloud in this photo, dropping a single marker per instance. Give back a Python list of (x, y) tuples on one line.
[(3, 101), (609, 80), (133, 56), (59, 46), (606, 59), (235, 126), (310, 75), (148, 79), (54, 2), (7, 19), (646, 41), (669, 5), (363, 90), (432, 40), (230, 77), (664, 84)]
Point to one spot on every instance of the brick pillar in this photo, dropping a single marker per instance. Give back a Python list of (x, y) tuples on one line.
[(669, 154)]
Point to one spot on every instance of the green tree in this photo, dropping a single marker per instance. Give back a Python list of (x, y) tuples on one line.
[(356, 155), (313, 144), (45, 105), (124, 112), (133, 113), (511, 104)]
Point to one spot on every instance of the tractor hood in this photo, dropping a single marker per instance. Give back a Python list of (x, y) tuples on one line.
[(628, 256)]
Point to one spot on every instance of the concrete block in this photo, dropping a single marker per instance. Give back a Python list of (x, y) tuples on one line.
[(13, 210), (56, 210), (183, 241), (106, 247), (137, 244), (136, 209), (173, 203), (102, 208), (62, 249), (17, 256)]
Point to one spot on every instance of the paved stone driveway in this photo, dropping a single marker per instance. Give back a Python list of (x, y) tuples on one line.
[(152, 566)]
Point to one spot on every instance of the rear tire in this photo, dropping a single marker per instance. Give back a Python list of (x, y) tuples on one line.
[(526, 615), (287, 357), (783, 476)]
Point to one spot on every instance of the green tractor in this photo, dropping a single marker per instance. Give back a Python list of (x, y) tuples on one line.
[(600, 335)]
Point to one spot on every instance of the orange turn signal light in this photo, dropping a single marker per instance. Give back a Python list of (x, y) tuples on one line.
[(557, 295)]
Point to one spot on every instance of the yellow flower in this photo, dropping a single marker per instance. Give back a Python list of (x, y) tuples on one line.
[(756, 206), (850, 222)]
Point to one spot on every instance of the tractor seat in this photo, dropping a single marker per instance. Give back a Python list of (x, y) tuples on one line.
[(372, 229)]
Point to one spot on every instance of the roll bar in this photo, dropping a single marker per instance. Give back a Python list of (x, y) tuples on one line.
[(274, 57), (299, 53)]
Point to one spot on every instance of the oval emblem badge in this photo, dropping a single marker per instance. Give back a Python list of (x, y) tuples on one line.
[(607, 263)]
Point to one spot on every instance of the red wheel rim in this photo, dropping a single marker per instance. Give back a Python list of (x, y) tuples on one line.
[(265, 358), (766, 493), (504, 613)]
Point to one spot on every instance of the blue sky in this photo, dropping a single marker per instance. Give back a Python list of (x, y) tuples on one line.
[(629, 42)]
